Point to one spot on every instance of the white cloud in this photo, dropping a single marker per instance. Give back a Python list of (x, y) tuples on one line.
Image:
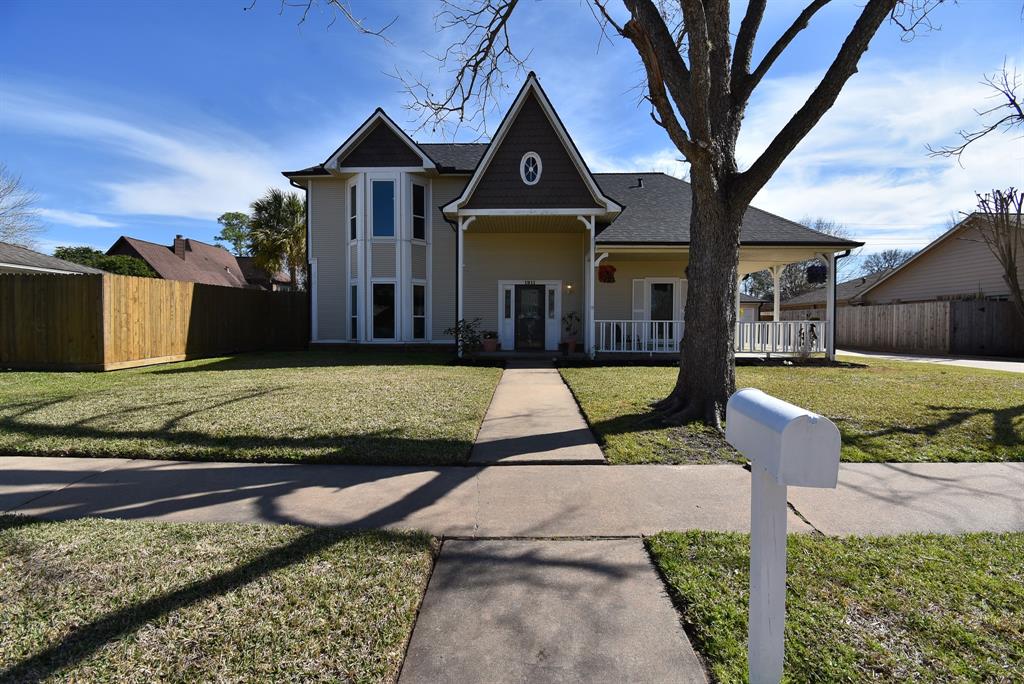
[(187, 172), (866, 164), (75, 218)]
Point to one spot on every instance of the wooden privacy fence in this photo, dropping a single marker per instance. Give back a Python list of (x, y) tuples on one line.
[(970, 327), (105, 322)]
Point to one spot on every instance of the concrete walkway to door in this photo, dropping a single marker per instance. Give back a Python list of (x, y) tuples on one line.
[(533, 418)]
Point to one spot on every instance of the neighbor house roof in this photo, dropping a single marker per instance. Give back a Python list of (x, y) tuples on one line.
[(657, 211), (455, 157), (203, 263), (845, 291), (22, 257), (255, 275), (751, 299)]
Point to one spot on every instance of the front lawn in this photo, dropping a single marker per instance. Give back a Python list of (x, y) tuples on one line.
[(928, 608), (324, 407), (885, 410), (95, 600)]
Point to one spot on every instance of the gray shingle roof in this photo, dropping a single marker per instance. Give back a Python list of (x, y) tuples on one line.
[(845, 291), (658, 212), (455, 157), (20, 256)]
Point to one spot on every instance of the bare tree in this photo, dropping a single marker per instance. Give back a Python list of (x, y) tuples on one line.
[(999, 226), (885, 260), (1006, 114), (19, 220), (699, 78)]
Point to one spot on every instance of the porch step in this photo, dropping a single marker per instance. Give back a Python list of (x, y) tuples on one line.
[(534, 419)]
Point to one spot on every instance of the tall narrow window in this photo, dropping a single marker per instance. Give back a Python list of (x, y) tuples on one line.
[(383, 208), (354, 332), (551, 303), (352, 220), (419, 312), (383, 311), (419, 212), (508, 303)]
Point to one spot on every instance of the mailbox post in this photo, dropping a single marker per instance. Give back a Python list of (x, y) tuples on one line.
[(786, 445)]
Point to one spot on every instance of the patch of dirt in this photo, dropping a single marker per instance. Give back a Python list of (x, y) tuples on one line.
[(696, 444)]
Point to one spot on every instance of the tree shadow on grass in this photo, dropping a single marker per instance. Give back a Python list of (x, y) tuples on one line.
[(382, 446), (949, 418), (309, 359)]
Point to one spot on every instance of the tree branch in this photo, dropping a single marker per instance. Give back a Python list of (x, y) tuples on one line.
[(748, 183), (742, 94), (1005, 86), (745, 44), (647, 21)]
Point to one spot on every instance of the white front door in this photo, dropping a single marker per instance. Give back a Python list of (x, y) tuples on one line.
[(508, 313)]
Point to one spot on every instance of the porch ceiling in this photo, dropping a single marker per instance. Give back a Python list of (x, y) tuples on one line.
[(527, 224)]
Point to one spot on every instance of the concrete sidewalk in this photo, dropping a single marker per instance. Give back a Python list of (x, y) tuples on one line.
[(984, 363), (535, 610), (514, 501), (533, 418)]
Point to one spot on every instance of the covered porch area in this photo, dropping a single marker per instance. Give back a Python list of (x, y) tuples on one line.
[(641, 299)]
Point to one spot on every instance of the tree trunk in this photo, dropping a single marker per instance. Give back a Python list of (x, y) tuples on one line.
[(707, 372)]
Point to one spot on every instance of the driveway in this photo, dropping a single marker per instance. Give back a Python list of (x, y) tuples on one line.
[(984, 363)]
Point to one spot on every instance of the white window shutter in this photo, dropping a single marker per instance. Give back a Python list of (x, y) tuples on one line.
[(638, 299)]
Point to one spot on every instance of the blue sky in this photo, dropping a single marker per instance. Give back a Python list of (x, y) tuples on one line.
[(153, 118)]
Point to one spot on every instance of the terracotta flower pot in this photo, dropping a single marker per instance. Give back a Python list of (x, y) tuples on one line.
[(490, 344)]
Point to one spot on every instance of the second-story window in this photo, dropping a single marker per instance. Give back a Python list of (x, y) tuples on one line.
[(419, 212), (383, 208), (352, 215)]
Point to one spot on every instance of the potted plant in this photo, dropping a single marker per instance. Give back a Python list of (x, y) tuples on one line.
[(489, 341), (571, 323)]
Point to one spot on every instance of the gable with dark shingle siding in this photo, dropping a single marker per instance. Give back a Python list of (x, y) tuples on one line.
[(381, 147), (560, 184)]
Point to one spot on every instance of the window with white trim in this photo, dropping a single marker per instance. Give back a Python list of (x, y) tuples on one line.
[(383, 198), (530, 168), (354, 311), (419, 311), (419, 212), (383, 311), (353, 217)]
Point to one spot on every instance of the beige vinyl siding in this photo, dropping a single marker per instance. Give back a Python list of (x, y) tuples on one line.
[(614, 301), (419, 262), (961, 265), (491, 257), (442, 256), (329, 239), (383, 260)]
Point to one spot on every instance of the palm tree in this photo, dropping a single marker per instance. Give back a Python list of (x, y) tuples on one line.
[(277, 231)]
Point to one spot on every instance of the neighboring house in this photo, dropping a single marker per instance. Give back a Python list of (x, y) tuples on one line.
[(956, 265), (750, 308), (404, 239), (812, 304), (17, 259), (199, 262)]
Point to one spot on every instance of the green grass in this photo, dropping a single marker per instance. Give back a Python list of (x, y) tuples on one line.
[(885, 410), (94, 600), (922, 608), (323, 407)]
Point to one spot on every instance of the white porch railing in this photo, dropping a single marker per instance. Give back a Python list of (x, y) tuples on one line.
[(760, 337), (637, 336)]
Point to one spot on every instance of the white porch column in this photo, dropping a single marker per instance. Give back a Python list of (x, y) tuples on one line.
[(463, 225), (776, 272), (830, 306), (588, 313)]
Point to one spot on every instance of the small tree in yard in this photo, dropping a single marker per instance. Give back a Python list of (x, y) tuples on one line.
[(234, 231), (277, 232), (698, 79), (121, 264), (1000, 228)]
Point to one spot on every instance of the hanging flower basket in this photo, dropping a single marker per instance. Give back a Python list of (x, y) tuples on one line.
[(817, 274), (606, 273)]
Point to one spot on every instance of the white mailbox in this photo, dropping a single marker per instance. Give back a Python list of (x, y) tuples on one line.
[(787, 445), (795, 446)]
